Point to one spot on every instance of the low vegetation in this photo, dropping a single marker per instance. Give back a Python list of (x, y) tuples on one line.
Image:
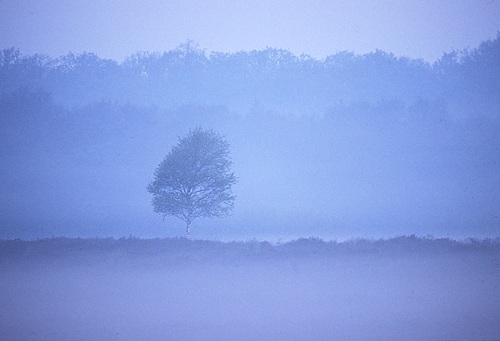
[(176, 248)]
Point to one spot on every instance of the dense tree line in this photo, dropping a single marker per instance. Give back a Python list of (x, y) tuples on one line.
[(274, 78), (82, 95)]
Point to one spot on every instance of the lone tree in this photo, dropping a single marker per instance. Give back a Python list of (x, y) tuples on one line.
[(194, 179)]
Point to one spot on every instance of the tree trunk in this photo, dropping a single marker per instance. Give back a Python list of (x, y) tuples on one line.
[(188, 227)]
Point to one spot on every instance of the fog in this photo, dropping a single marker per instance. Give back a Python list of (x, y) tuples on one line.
[(131, 289), (351, 146), (353, 150)]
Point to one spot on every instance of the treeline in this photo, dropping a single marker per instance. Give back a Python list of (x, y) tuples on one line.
[(88, 101), (84, 97), (466, 80), (182, 249)]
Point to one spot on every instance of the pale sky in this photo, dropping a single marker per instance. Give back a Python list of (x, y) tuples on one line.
[(118, 28)]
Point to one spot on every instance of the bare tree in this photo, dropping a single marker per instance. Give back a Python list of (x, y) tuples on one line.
[(194, 179)]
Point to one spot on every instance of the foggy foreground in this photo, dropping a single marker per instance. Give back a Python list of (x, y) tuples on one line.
[(404, 288)]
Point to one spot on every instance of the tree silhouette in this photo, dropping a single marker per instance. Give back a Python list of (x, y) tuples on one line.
[(194, 179)]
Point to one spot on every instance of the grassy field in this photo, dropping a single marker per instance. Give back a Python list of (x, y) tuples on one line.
[(405, 288)]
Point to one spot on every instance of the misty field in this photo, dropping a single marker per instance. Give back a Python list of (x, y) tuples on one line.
[(404, 288)]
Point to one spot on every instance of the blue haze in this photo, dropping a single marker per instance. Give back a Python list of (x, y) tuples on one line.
[(351, 146), (347, 120)]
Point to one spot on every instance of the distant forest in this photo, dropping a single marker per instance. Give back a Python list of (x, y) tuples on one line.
[(79, 94), (83, 87), (466, 81), (108, 124)]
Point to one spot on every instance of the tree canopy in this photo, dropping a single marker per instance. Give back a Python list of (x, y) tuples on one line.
[(195, 179), (274, 77)]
